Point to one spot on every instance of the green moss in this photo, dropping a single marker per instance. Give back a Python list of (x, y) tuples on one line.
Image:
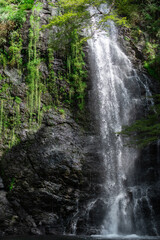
[(62, 111)]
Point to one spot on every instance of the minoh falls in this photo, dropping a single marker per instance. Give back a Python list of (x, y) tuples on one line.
[(79, 120), (120, 95)]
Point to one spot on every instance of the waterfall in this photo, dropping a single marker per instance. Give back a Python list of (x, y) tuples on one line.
[(118, 100)]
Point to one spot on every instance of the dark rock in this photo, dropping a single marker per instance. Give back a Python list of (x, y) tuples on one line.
[(1, 184), (13, 75), (95, 212), (8, 217), (49, 176), (36, 231)]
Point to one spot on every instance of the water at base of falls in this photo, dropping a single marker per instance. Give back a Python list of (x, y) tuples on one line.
[(118, 100), (66, 237), (116, 236), (125, 237)]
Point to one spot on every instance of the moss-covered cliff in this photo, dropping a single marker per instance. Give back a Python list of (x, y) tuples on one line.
[(35, 75)]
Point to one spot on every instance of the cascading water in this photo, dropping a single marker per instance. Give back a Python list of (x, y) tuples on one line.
[(118, 100)]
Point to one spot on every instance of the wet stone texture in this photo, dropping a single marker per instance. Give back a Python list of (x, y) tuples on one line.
[(48, 179)]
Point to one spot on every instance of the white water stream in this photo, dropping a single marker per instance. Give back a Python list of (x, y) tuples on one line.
[(117, 90)]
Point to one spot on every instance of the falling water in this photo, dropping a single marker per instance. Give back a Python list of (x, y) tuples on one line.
[(117, 96)]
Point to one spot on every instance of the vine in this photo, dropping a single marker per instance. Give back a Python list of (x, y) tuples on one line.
[(11, 116), (76, 71), (51, 81), (10, 121), (33, 78)]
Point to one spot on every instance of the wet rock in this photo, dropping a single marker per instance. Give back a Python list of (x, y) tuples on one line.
[(36, 231), (44, 70), (13, 75), (8, 216), (48, 175), (1, 184), (95, 212), (132, 50)]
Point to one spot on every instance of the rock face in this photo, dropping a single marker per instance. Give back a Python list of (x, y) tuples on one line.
[(147, 180), (48, 176)]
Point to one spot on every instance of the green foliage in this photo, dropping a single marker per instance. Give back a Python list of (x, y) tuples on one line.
[(153, 67), (68, 87), (15, 50), (18, 100), (10, 121), (14, 10), (73, 17), (146, 130), (74, 14), (150, 50), (3, 60), (11, 116), (151, 14), (143, 132), (62, 111), (33, 78), (126, 7), (144, 21), (76, 71), (152, 64), (1, 117), (12, 13), (26, 4), (52, 79)]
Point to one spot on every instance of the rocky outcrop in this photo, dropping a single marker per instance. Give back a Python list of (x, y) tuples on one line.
[(147, 188), (50, 177), (134, 51)]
